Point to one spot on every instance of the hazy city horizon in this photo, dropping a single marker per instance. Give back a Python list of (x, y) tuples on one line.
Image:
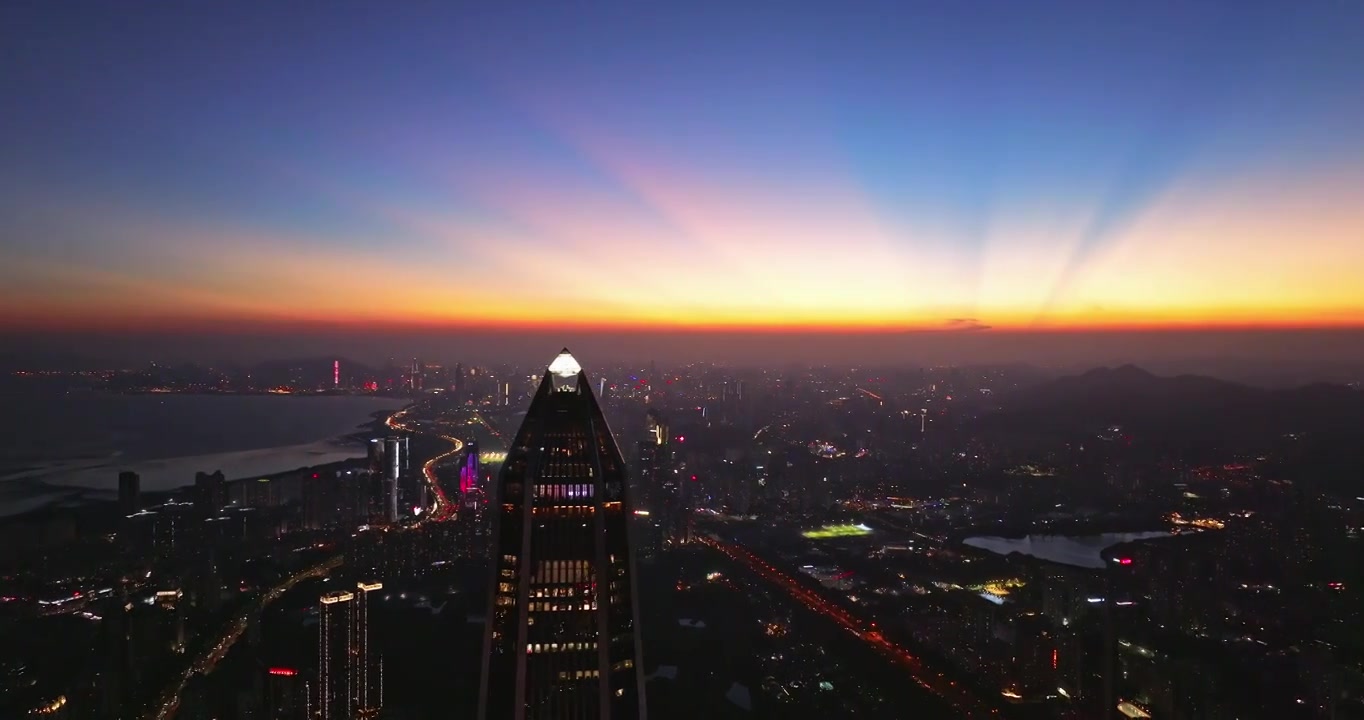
[(1301, 355)]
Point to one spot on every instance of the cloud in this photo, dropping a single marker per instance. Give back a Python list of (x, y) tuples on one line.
[(965, 325)]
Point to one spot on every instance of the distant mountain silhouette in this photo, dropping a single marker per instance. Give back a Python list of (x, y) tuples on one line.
[(1193, 407)]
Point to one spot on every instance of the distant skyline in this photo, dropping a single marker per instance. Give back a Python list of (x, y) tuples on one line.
[(255, 170), (1287, 357)]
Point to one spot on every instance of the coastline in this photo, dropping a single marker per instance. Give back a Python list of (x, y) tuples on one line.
[(40, 487), (1083, 551), (252, 393)]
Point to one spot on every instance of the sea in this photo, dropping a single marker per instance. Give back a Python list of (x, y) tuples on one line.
[(59, 447), (1078, 550)]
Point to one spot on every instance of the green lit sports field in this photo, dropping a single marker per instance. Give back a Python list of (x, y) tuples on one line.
[(836, 531)]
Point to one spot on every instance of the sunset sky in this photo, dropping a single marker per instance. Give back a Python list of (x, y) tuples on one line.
[(954, 166)]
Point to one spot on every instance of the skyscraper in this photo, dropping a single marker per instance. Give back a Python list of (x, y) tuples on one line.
[(468, 472), (210, 492), (392, 471), (350, 672), (286, 695), (334, 638), (562, 641), (129, 492), (367, 675), (646, 495)]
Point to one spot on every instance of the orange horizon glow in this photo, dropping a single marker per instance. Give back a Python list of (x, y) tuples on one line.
[(1015, 324)]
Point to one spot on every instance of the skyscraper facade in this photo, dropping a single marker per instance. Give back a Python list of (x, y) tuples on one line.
[(393, 451), (286, 695), (468, 472), (646, 492), (562, 638), (129, 492), (335, 633), (350, 671), (210, 492), (367, 674)]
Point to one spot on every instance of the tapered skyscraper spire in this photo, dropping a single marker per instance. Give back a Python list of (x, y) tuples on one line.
[(562, 638)]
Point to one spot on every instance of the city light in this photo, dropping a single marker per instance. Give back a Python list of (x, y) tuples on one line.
[(936, 683), (836, 531), (1132, 711)]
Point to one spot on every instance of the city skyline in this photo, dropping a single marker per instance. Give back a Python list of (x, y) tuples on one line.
[(977, 169)]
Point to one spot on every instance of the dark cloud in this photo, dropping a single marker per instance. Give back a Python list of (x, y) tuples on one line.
[(966, 324)]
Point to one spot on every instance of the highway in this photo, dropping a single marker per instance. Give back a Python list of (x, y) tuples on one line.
[(958, 697), (443, 509), (205, 663)]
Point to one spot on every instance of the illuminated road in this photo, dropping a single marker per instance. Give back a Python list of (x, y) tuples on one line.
[(871, 394), (484, 422), (210, 657), (443, 509), (936, 683)]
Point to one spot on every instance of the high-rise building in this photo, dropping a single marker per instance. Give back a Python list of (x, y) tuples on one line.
[(350, 671), (392, 471), (368, 672), (118, 679), (562, 638), (646, 474), (319, 499), (374, 453), (286, 694), (657, 428), (210, 492), (415, 376), (468, 471), (335, 636), (129, 492), (647, 500)]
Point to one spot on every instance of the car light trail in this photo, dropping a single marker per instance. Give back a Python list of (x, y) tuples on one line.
[(444, 509), (171, 700), (934, 682)]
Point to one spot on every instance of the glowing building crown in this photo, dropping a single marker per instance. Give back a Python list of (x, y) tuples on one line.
[(565, 369)]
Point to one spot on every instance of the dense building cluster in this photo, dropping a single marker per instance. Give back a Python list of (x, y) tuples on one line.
[(729, 542)]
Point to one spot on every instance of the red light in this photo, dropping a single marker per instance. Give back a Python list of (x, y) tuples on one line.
[(285, 672), (1124, 561), (693, 478), (681, 438), (316, 476)]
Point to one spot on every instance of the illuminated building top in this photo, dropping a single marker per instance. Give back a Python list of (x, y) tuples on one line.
[(565, 371)]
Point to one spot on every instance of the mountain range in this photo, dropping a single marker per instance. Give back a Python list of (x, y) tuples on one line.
[(1189, 406)]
